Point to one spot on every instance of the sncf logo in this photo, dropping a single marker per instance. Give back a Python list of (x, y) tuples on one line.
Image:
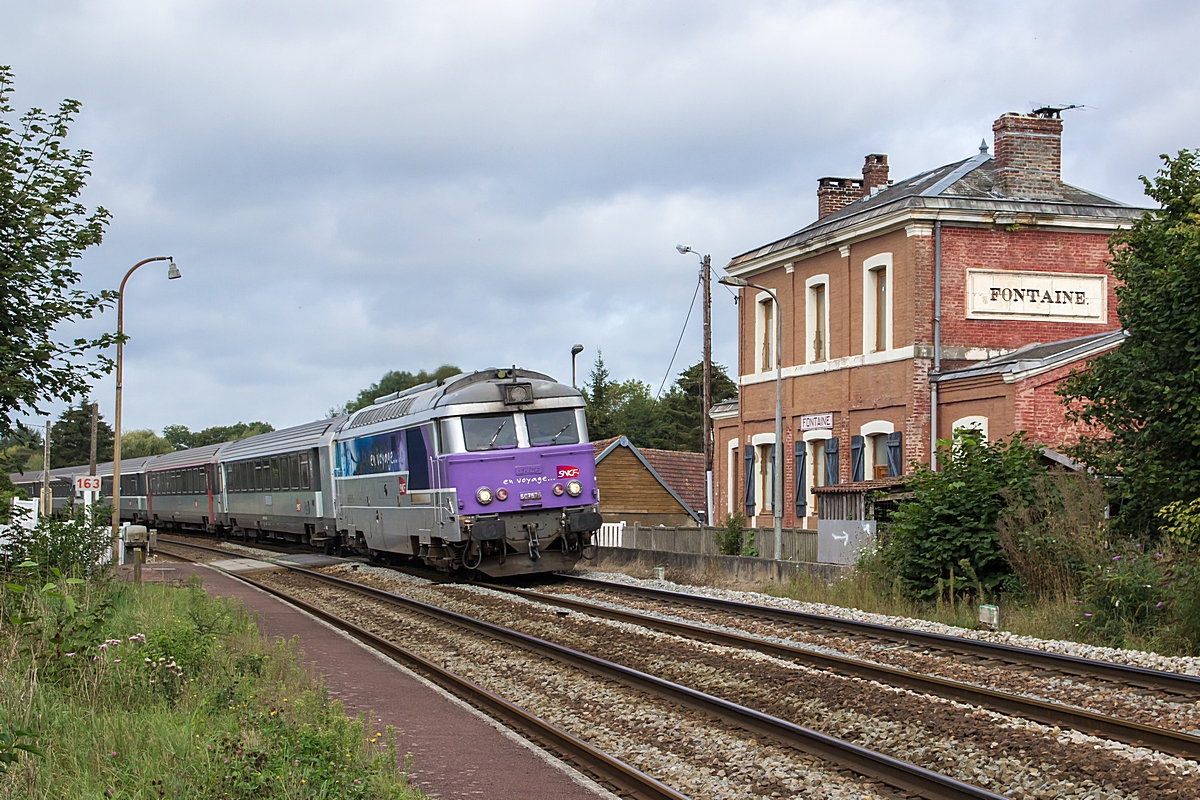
[(568, 472)]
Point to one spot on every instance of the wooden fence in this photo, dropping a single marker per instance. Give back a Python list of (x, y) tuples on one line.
[(798, 544)]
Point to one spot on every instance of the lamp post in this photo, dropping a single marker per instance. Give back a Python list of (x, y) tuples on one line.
[(172, 274), (576, 350), (777, 503), (706, 382)]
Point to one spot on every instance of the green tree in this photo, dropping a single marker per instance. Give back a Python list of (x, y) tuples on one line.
[(601, 395), (683, 407), (144, 442), (950, 524), (43, 229), (1146, 393), (637, 414), (17, 447), (394, 381), (71, 437), (181, 438)]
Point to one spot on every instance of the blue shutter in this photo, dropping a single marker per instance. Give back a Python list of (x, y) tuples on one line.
[(895, 454), (749, 501), (831, 461), (857, 464), (801, 479)]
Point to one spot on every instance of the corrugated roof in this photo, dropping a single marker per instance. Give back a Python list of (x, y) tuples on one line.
[(300, 437), (965, 185)]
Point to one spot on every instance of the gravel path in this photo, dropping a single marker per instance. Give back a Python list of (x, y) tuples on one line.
[(1003, 754)]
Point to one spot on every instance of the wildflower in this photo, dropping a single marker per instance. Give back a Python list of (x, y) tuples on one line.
[(112, 642), (1087, 615), (102, 646), (112, 754), (1116, 558), (1159, 605), (116, 661), (68, 655), (1158, 555), (296, 763)]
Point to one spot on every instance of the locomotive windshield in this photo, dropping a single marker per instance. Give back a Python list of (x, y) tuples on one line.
[(552, 427), (489, 432)]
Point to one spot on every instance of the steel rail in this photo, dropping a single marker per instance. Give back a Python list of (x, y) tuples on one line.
[(1171, 682), (868, 763), (625, 779), (1164, 740)]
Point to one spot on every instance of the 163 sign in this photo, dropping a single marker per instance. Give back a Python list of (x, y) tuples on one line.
[(1048, 296)]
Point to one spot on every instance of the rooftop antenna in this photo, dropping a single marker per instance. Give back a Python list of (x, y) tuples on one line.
[(1055, 112)]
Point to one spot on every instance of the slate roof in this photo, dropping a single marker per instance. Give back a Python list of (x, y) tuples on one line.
[(965, 185), (680, 472), (1038, 356)]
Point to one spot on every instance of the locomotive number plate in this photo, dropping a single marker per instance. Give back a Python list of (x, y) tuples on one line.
[(527, 496)]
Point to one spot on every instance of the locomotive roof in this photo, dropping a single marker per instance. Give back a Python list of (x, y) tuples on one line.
[(300, 437), (469, 388)]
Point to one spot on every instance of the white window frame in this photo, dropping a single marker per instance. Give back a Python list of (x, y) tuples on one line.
[(976, 422), (761, 442), (761, 333), (870, 315), (810, 318), (731, 482), (869, 431), (810, 474)]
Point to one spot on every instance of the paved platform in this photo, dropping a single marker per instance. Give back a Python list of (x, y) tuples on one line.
[(457, 752)]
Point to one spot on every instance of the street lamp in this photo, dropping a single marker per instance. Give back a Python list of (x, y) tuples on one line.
[(172, 274), (576, 350), (777, 505)]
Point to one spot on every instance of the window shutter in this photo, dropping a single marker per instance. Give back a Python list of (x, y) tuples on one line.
[(831, 461), (749, 501), (801, 480), (895, 454), (857, 463)]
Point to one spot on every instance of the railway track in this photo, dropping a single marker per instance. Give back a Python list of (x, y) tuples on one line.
[(906, 778), (612, 773), (1183, 686)]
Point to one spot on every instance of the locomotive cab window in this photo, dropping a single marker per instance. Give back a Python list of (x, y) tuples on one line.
[(552, 427), (489, 432)]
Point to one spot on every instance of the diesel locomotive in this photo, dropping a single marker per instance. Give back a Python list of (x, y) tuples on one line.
[(488, 472)]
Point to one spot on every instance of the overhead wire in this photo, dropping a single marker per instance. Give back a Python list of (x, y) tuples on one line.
[(691, 307)]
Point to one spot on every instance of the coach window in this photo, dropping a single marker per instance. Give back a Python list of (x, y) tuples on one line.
[(304, 472), (293, 472), (552, 427)]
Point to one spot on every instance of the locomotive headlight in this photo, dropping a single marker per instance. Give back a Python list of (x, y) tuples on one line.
[(483, 496), (574, 488), (558, 490), (502, 495)]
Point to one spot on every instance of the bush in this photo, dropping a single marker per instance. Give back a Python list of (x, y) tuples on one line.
[(729, 535), (946, 534), (1052, 537), (69, 544), (1182, 523), (1142, 598)]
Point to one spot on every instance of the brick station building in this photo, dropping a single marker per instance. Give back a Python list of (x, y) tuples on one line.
[(961, 295)]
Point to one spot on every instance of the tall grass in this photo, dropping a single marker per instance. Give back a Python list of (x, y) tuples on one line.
[(171, 694)]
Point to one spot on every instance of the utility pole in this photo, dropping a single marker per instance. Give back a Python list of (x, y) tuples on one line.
[(92, 457), (47, 497), (706, 391)]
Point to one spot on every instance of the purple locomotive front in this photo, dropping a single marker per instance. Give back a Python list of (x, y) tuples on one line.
[(488, 472)]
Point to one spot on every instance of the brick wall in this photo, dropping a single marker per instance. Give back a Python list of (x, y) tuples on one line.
[(834, 193), (1027, 158)]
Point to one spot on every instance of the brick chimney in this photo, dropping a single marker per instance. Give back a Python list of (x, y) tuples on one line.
[(875, 172), (835, 193), (1027, 160)]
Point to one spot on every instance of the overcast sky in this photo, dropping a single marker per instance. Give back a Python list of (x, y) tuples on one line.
[(361, 186)]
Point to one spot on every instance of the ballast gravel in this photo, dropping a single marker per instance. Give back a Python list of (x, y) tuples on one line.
[(1003, 754), (698, 756)]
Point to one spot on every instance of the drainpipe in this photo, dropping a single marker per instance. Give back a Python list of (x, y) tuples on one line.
[(937, 341)]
